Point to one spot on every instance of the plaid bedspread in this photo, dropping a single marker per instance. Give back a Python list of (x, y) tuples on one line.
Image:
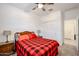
[(37, 47)]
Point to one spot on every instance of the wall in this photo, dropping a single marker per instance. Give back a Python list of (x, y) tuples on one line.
[(11, 17), (71, 14), (52, 26), (14, 19)]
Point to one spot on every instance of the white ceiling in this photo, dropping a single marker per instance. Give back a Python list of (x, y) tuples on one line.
[(27, 7)]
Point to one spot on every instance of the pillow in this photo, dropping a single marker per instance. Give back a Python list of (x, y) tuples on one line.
[(22, 37), (31, 36)]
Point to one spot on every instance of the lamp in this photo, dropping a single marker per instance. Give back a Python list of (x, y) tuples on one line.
[(38, 32), (6, 33)]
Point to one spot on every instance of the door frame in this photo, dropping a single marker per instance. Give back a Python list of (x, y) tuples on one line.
[(77, 34)]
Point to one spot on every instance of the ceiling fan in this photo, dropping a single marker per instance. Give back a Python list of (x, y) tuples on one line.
[(41, 6)]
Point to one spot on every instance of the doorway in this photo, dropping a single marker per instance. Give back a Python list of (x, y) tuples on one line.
[(70, 41), (70, 32)]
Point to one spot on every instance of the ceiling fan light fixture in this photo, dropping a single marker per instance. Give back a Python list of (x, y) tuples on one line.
[(40, 5)]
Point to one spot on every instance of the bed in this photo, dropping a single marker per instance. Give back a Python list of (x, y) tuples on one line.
[(29, 44)]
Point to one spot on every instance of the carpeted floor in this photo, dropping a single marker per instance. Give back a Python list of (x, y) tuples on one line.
[(67, 50)]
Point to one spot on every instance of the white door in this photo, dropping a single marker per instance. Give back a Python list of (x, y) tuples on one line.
[(70, 29)]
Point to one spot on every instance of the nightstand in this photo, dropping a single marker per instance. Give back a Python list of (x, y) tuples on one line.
[(6, 48)]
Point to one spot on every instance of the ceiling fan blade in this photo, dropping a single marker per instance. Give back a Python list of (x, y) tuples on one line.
[(36, 3), (43, 3), (50, 3), (34, 8), (43, 9)]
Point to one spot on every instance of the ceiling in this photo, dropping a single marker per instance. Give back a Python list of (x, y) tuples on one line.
[(27, 7)]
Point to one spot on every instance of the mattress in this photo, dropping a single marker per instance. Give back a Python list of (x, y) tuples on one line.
[(37, 47)]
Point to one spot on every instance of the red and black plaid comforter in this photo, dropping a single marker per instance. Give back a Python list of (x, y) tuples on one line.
[(37, 47)]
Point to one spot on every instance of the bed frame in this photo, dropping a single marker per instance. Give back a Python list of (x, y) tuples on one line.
[(17, 34)]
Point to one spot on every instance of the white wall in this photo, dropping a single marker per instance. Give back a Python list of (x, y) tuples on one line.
[(52, 26), (13, 19), (71, 14)]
